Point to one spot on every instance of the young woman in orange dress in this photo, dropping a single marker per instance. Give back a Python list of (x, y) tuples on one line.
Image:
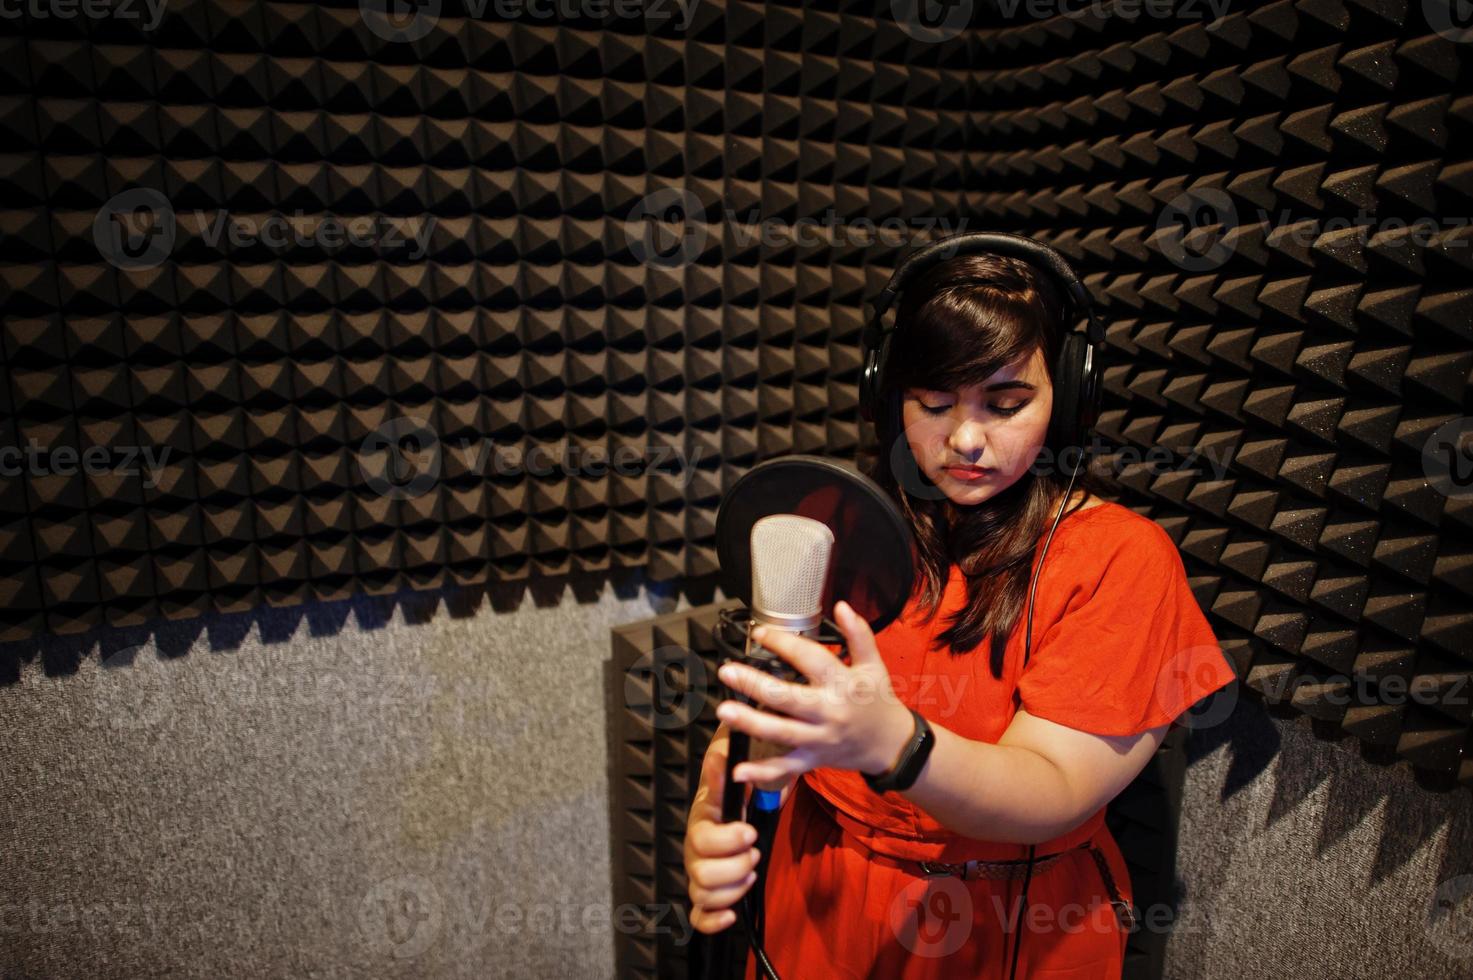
[(928, 882)]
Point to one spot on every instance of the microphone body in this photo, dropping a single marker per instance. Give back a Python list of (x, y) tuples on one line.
[(863, 550), (790, 568)]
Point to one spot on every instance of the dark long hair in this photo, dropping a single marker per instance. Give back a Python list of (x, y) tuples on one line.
[(958, 323)]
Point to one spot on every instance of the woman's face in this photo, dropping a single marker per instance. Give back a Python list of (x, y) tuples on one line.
[(975, 442)]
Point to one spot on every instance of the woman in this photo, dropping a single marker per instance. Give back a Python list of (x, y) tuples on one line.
[(1025, 758)]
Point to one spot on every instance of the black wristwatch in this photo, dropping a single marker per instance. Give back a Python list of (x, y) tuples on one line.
[(912, 760)]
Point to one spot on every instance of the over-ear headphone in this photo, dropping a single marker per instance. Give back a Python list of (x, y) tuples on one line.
[(1077, 367)]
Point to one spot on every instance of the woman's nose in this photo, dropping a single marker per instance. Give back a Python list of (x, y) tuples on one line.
[(967, 440)]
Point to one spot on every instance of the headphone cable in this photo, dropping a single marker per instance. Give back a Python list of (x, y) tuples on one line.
[(1027, 651), (763, 964)]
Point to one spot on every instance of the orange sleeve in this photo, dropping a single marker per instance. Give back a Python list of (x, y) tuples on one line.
[(1131, 649)]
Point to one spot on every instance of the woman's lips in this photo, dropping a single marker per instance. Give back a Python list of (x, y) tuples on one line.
[(967, 473)]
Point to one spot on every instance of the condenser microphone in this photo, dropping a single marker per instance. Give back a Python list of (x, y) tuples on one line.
[(790, 568), (790, 575), (792, 535), (790, 572)]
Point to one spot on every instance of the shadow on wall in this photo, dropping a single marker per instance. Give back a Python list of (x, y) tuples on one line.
[(60, 655), (1357, 779), (1251, 737)]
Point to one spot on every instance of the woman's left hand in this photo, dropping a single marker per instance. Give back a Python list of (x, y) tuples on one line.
[(845, 717)]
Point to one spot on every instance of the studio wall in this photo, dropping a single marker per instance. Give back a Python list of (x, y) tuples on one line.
[(308, 308), (372, 788), (339, 303), (391, 303)]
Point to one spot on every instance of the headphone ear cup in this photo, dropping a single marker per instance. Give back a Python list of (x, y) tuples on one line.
[(871, 380), (1067, 422), (1090, 390)]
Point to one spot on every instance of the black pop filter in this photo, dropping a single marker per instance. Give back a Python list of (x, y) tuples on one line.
[(872, 565)]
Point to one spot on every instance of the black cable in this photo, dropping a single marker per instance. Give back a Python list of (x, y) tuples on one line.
[(1027, 651), (763, 964), (762, 814), (1022, 912)]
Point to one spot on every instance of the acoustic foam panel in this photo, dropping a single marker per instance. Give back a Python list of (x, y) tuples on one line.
[(668, 668), (273, 381), (1311, 352), (1273, 208)]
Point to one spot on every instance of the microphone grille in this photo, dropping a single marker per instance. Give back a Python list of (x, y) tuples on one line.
[(790, 563)]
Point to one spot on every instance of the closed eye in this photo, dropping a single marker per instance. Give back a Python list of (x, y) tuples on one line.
[(1004, 410)]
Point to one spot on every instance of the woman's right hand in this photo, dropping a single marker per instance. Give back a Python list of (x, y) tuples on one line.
[(720, 859)]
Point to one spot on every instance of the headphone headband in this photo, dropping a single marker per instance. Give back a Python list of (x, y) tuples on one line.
[(1029, 250), (1078, 367)]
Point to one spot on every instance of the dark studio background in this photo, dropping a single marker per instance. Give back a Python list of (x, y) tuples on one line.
[(326, 693)]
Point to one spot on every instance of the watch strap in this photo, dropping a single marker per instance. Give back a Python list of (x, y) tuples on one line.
[(907, 768)]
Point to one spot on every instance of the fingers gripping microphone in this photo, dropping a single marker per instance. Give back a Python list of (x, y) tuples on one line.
[(790, 570)]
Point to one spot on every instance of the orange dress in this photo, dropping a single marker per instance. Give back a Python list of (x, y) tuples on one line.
[(1120, 646)]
